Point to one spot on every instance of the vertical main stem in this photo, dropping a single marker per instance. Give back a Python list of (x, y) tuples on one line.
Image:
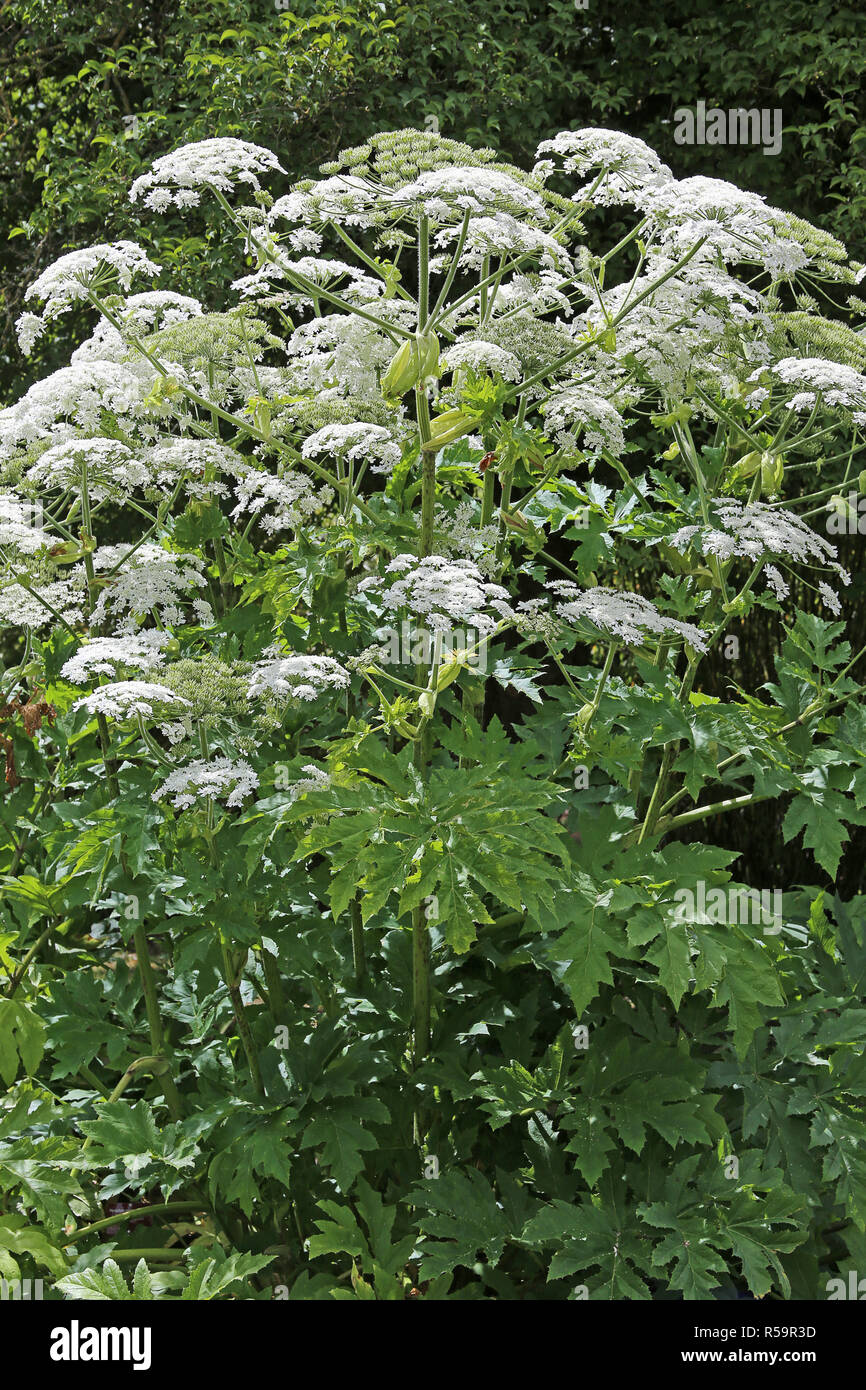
[(232, 978), (667, 762), (274, 984), (151, 1004), (472, 698), (89, 540), (359, 958)]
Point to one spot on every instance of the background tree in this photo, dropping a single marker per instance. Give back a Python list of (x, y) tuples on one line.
[(90, 94)]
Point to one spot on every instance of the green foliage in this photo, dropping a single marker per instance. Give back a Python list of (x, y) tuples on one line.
[(341, 961)]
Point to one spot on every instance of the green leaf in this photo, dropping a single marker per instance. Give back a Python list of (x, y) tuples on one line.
[(22, 1039), (340, 1130), (462, 1222)]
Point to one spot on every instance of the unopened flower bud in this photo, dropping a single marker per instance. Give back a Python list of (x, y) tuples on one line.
[(451, 425), (416, 359)]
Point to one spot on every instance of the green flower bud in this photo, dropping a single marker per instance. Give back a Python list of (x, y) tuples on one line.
[(448, 672), (427, 703), (66, 553), (406, 730), (584, 715), (451, 425), (749, 464), (416, 359), (772, 473)]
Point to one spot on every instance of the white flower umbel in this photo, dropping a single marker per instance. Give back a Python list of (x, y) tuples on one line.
[(482, 356), (445, 194), (19, 529), (180, 176), (102, 656), (79, 394), (339, 354), (777, 582), (317, 780), (830, 598), (682, 328), (19, 607), (343, 199), (201, 780), (200, 463), (625, 616), (738, 225), (112, 469), (757, 531), (811, 377), (129, 699), (504, 235), (295, 677), (279, 504), (627, 165), (459, 533), (74, 276), (580, 413), (140, 315), (442, 592), (355, 442), (150, 580), (526, 294)]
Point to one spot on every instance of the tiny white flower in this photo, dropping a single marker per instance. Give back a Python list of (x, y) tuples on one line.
[(221, 163), (200, 779), (298, 677), (124, 699), (101, 656)]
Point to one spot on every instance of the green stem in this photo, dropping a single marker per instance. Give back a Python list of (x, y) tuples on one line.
[(16, 979), (232, 976), (667, 762), (731, 803), (154, 1020), (423, 750), (274, 983), (135, 1214), (157, 1065), (452, 270), (359, 959)]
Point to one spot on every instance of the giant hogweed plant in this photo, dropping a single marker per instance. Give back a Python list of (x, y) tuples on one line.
[(358, 933)]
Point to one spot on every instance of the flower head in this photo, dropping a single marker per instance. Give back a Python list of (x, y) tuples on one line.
[(125, 699), (295, 677), (72, 278), (215, 779), (628, 617), (101, 656), (220, 163)]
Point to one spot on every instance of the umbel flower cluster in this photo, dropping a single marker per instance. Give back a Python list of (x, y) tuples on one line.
[(230, 431), (320, 615)]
